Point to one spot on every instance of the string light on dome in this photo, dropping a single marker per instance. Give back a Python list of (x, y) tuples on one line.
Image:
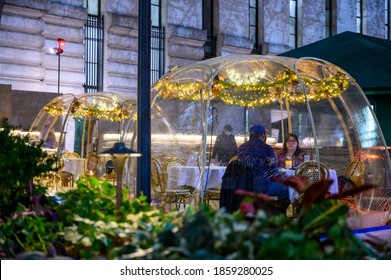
[(260, 92), (56, 108), (239, 78)]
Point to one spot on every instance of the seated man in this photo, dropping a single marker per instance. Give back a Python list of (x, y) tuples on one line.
[(225, 146), (260, 158)]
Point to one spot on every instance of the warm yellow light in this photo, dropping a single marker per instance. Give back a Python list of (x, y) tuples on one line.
[(242, 90)]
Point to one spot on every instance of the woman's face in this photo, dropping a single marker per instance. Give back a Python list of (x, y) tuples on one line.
[(291, 144)]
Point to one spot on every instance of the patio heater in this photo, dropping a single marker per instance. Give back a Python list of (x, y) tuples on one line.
[(119, 154)]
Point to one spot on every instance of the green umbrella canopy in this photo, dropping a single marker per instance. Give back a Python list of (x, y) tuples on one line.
[(367, 59)]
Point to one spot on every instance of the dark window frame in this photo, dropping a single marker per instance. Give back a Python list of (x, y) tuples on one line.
[(93, 53), (387, 16), (253, 9), (293, 19), (207, 24), (157, 53), (157, 42), (359, 6)]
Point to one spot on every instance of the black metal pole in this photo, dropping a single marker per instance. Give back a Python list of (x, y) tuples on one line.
[(58, 73), (144, 100)]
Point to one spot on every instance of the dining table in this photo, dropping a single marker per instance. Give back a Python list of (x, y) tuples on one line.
[(191, 176), (74, 166)]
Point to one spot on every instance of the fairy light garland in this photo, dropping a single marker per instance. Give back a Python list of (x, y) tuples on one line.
[(110, 112), (56, 109), (256, 91)]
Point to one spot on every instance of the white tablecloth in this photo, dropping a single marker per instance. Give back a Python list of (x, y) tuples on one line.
[(74, 166), (332, 189), (191, 176)]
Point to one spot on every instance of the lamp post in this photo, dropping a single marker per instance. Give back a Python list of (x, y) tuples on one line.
[(119, 154), (59, 50)]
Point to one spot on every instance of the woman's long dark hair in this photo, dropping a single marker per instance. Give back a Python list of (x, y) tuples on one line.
[(285, 148)]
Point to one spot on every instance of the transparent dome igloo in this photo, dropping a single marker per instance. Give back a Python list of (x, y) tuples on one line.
[(97, 119), (315, 99)]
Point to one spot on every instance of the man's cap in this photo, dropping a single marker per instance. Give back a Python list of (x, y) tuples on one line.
[(257, 128)]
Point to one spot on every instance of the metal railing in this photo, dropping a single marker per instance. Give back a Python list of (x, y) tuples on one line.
[(210, 47), (157, 53)]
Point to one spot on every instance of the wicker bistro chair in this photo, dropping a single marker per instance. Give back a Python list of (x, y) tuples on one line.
[(355, 171), (169, 163), (308, 169), (211, 195), (167, 197), (91, 164), (71, 155), (156, 180), (111, 178), (67, 179), (55, 180)]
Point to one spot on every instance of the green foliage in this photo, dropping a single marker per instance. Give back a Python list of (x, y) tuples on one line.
[(218, 235), (90, 226), (95, 228), (20, 162), (28, 232)]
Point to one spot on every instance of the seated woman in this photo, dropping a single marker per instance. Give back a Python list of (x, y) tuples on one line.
[(49, 138), (291, 153)]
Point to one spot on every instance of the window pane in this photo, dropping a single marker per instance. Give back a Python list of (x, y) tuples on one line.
[(252, 32), (252, 17), (292, 10), (155, 13), (292, 41), (358, 4), (292, 25), (155, 16), (93, 6)]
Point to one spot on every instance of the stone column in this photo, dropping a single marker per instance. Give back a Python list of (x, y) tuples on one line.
[(276, 25), (313, 21), (346, 16), (234, 29), (374, 18), (121, 47), (184, 35)]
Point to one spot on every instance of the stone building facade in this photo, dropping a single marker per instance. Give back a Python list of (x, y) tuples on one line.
[(30, 28)]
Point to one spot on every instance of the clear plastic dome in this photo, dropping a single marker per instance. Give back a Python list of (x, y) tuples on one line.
[(310, 97), (96, 119), (86, 125)]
